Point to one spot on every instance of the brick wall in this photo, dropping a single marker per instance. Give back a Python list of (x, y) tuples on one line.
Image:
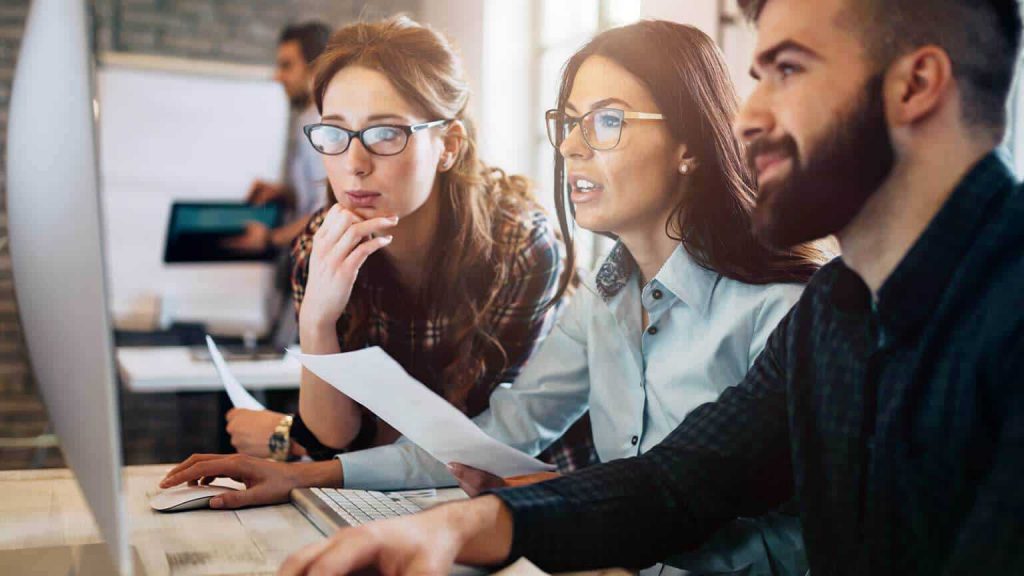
[(231, 30), (14, 375), (243, 31)]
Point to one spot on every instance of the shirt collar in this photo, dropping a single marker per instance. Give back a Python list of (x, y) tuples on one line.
[(611, 277), (681, 275), (913, 290)]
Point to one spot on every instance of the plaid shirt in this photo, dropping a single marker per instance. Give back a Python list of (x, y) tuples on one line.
[(414, 338), (898, 426)]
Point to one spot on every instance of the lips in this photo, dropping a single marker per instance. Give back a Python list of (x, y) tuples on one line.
[(583, 189), (362, 198), (767, 163)]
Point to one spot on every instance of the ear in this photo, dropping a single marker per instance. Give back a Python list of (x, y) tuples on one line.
[(685, 163), (453, 140), (917, 85)]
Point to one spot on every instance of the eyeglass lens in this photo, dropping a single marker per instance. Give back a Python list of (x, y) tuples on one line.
[(602, 128), (381, 140)]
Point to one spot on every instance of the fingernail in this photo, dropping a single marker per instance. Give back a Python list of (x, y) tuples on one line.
[(394, 219), (387, 239), (216, 503)]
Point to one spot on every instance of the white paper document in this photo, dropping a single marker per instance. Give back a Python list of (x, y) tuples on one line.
[(375, 380), (240, 397)]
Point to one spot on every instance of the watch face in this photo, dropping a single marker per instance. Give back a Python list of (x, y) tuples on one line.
[(277, 442)]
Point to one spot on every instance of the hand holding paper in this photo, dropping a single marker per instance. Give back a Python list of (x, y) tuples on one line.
[(375, 380)]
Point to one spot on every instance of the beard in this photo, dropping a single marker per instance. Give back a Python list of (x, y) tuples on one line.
[(299, 102), (822, 195)]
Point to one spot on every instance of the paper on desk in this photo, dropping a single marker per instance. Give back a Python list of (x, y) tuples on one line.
[(375, 380), (240, 397)]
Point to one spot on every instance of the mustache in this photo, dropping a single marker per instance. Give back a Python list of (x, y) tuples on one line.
[(785, 146)]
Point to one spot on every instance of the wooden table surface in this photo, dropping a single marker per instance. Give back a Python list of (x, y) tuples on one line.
[(45, 508)]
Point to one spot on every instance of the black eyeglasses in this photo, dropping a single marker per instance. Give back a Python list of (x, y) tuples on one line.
[(382, 140), (602, 128)]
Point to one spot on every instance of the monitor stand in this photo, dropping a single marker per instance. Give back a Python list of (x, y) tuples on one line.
[(80, 560)]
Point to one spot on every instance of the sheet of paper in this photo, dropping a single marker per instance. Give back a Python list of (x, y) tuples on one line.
[(240, 397), (375, 380)]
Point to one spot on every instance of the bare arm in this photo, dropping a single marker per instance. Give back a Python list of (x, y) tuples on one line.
[(330, 415)]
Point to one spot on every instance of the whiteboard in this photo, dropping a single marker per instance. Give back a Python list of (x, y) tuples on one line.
[(179, 130)]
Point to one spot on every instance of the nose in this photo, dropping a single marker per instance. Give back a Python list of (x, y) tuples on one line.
[(754, 119), (358, 160), (574, 146)]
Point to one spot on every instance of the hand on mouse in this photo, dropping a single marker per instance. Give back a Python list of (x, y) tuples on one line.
[(266, 482)]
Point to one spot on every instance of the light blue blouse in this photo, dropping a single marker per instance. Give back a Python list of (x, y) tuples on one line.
[(704, 333)]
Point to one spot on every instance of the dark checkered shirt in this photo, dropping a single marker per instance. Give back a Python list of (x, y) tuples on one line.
[(898, 425)]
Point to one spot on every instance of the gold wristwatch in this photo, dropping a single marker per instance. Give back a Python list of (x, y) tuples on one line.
[(280, 440)]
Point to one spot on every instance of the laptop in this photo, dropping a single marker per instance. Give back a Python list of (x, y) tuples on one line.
[(197, 231)]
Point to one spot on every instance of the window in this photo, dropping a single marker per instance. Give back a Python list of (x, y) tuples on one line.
[(564, 26), (1014, 142)]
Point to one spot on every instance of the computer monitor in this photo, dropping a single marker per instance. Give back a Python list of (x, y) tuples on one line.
[(56, 249)]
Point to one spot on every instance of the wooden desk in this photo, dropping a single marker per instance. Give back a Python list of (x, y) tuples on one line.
[(44, 508)]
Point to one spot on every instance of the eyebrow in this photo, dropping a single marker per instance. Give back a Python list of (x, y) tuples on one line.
[(373, 118), (767, 57), (601, 104)]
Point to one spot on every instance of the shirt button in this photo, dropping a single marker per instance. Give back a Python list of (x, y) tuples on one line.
[(657, 294), (652, 330), (634, 440)]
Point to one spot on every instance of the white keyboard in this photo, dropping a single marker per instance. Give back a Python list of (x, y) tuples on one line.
[(361, 506)]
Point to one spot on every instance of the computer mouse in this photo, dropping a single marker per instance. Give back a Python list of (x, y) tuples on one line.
[(185, 498)]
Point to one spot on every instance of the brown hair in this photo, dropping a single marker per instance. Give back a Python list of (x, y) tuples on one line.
[(424, 68), (981, 37), (691, 86)]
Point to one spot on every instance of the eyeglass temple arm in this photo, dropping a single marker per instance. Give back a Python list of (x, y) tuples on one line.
[(425, 125), (643, 116)]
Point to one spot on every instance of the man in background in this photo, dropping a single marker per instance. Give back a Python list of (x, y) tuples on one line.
[(303, 189)]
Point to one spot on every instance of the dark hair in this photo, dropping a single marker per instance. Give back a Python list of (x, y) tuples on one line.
[(981, 37), (692, 88), (311, 36)]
